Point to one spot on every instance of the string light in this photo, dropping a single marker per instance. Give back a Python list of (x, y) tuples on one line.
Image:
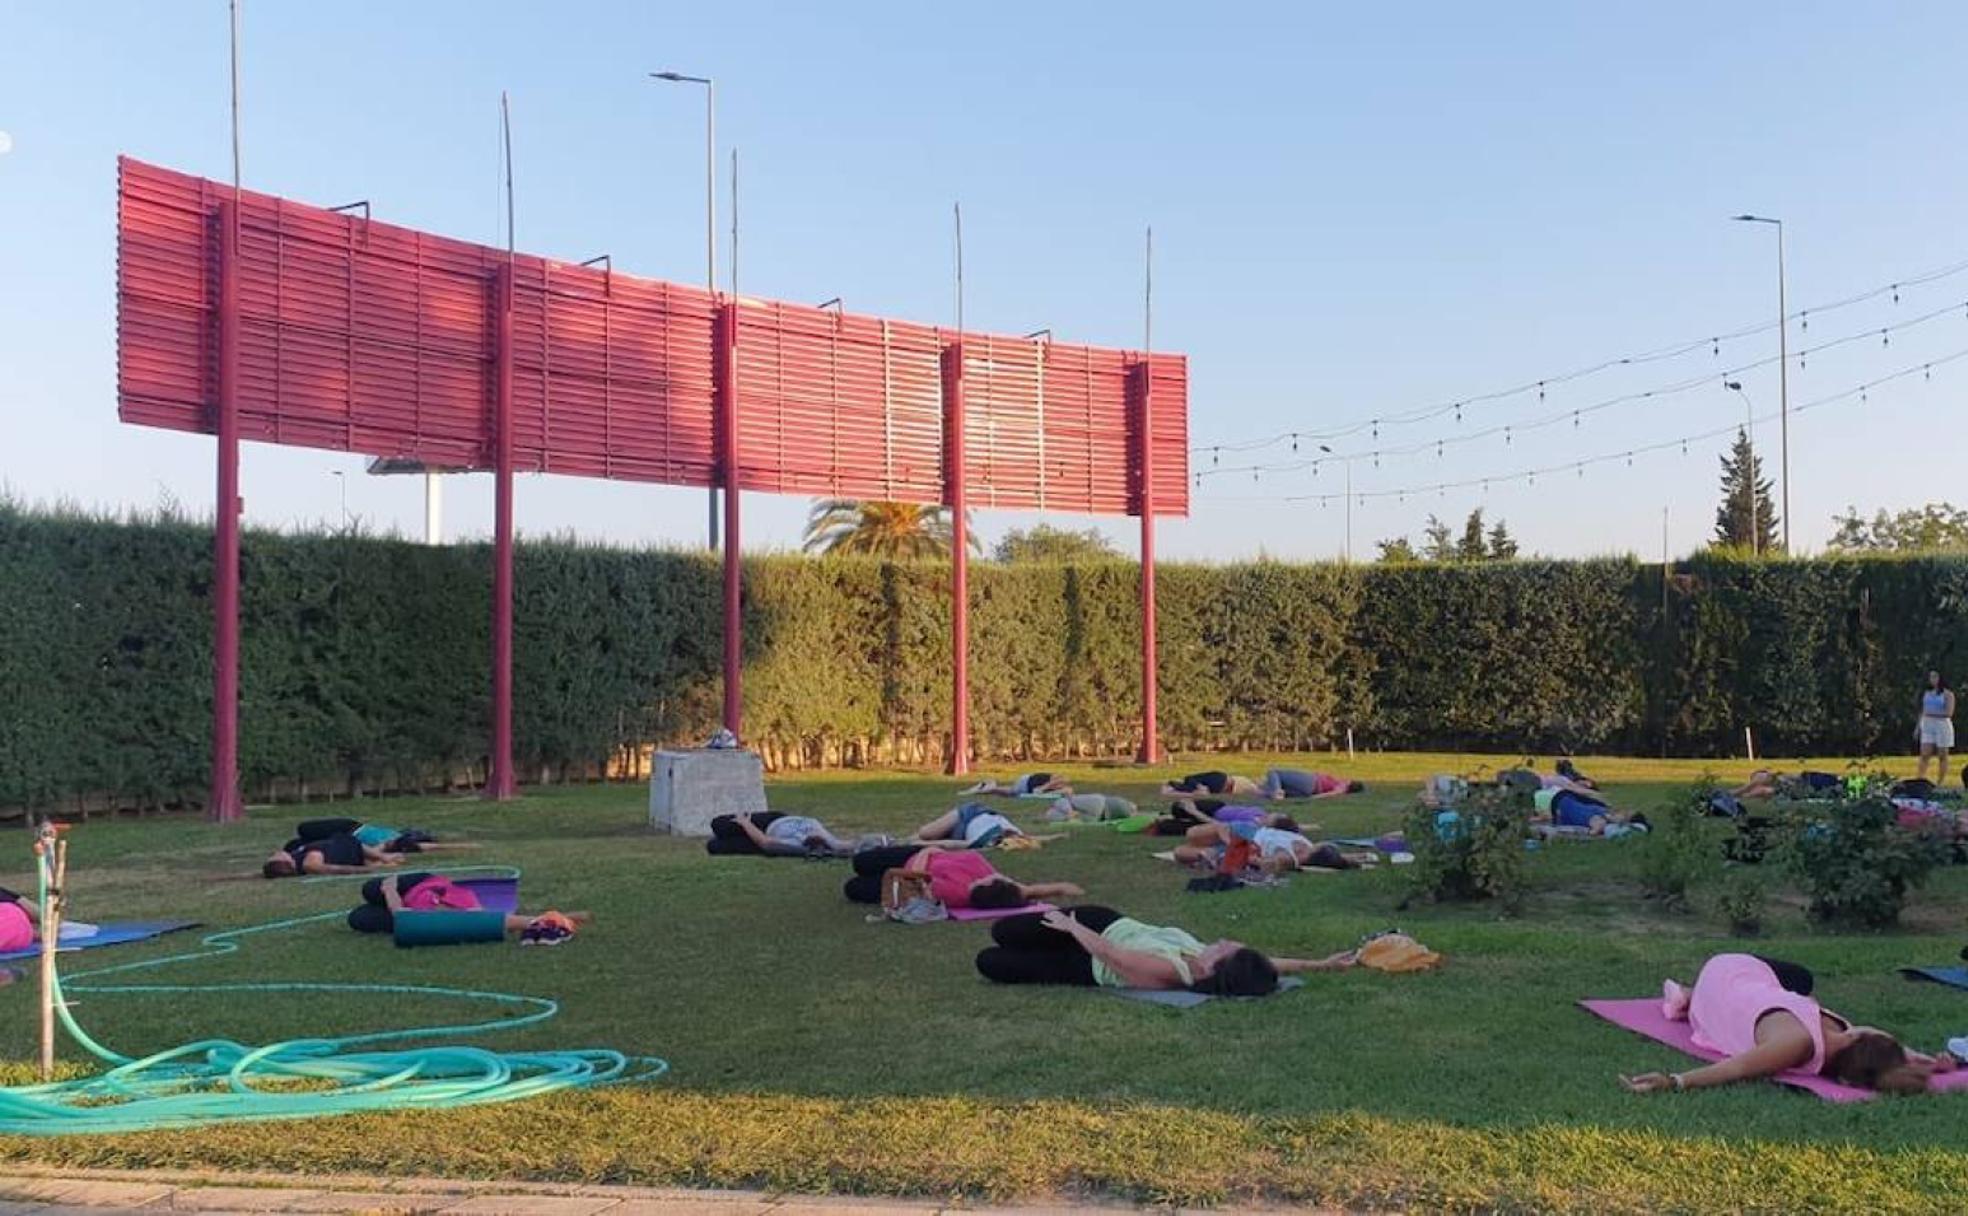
[(1638, 359), (1660, 354), (1860, 392), (1510, 430)]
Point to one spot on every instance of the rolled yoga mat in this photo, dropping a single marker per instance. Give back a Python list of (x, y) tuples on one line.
[(449, 927)]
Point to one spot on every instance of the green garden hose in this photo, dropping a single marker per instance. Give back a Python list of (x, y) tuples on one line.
[(220, 1081)]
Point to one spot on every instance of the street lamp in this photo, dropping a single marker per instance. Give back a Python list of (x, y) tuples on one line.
[(1348, 462), (1749, 423), (1783, 366), (710, 214), (341, 480)]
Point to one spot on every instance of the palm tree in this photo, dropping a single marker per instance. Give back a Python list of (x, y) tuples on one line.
[(897, 531)]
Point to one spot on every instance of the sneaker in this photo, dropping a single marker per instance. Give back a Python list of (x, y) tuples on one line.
[(1674, 1001), (547, 929)]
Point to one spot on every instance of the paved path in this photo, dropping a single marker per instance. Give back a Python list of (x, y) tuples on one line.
[(28, 1192)]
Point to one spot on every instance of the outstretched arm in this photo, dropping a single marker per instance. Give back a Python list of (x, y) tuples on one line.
[(1035, 891), (1788, 1047), (1138, 969), (1343, 961)]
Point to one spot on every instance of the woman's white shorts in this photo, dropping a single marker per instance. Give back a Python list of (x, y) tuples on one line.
[(1938, 732)]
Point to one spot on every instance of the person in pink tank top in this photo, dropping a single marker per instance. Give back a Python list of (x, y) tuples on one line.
[(1760, 1014)]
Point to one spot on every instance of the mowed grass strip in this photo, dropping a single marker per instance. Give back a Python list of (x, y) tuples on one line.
[(814, 1051)]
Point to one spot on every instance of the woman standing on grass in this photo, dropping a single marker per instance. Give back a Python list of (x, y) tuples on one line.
[(1092, 946), (1759, 1012), (1935, 731)]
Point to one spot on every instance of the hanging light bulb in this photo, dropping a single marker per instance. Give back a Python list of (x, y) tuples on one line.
[(1575, 420), (1438, 449), (1506, 435), (1804, 320), (1715, 346), (1927, 372), (1581, 471), (1458, 411), (1376, 428), (1684, 447), (1885, 339), (1896, 293), (1216, 455), (1629, 460), (1294, 441), (1540, 390)]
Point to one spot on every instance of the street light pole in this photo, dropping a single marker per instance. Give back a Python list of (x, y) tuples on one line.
[(1348, 462), (341, 480), (1783, 368), (1749, 425), (710, 219)]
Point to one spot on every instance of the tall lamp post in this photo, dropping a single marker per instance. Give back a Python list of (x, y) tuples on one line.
[(1749, 425), (1348, 462), (710, 217), (1783, 366)]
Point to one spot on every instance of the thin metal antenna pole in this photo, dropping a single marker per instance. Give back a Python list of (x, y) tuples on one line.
[(233, 10), (957, 208), (734, 224)]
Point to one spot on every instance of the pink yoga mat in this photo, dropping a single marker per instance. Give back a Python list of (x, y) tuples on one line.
[(995, 913), (1644, 1017)]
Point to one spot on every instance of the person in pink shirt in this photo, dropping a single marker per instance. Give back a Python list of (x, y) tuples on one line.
[(1760, 1014), (20, 922), (958, 878)]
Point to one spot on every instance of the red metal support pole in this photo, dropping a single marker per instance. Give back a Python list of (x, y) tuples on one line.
[(500, 785), (224, 806), (956, 499), (726, 397), (1144, 437)]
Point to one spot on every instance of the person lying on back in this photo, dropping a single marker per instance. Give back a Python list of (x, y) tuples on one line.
[(341, 853), (957, 878)]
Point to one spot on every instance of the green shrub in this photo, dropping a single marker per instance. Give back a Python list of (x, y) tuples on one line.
[(1741, 901), (1678, 851), (1474, 851), (1855, 862)]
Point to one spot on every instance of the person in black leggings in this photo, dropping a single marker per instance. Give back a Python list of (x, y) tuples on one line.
[(1047, 948), (988, 889), (382, 899), (1213, 782)]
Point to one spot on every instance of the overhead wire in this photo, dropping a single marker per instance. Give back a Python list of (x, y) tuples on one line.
[(1544, 383), (1440, 444), (1861, 391)]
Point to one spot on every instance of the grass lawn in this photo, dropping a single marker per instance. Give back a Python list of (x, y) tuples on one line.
[(815, 1051)]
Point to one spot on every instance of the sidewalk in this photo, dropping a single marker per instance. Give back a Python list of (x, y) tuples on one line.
[(25, 1191)]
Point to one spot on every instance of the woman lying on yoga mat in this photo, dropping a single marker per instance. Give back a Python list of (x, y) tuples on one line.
[(1089, 808), (1759, 1012), (376, 835), (1093, 946), (1299, 783), (957, 878), (1020, 786), (341, 853), (1212, 782), (774, 834), (1558, 808), (20, 922), (1278, 849), (1186, 813), (383, 898), (971, 826)]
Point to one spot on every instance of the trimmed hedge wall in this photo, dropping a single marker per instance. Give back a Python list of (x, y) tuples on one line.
[(365, 661)]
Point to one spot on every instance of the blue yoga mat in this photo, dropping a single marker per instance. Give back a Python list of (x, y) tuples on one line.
[(110, 935), (1954, 977)]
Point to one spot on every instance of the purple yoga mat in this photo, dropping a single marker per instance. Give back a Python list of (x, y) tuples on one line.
[(995, 913), (494, 894), (1644, 1017)]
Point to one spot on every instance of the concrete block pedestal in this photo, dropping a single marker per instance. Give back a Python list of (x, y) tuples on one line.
[(687, 789)]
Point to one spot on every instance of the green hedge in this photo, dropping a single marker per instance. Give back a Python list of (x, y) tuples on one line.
[(365, 660)]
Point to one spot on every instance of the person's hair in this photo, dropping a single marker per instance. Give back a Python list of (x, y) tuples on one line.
[(1940, 681), (1876, 1061), (1285, 823), (1639, 820), (999, 892), (274, 869), (1244, 973), (1356, 787)]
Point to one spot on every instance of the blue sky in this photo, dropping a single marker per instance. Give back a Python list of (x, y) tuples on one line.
[(1358, 210)]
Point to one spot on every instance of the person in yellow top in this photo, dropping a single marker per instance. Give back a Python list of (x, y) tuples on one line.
[(1093, 946)]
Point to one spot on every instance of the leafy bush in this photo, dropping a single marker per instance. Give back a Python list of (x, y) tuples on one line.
[(1855, 862), (1678, 850), (1474, 850), (1741, 901)]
